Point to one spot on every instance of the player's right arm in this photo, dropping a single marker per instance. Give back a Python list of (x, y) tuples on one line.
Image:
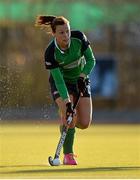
[(53, 66)]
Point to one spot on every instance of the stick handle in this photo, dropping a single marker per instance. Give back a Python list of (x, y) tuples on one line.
[(65, 129)]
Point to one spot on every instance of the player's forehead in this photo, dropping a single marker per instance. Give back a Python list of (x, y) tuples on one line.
[(64, 27)]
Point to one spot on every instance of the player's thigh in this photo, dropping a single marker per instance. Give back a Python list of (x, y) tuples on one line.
[(84, 111)]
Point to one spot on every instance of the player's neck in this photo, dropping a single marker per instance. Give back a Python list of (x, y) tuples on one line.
[(62, 47)]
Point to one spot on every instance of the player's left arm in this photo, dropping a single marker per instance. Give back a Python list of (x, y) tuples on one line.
[(90, 61)]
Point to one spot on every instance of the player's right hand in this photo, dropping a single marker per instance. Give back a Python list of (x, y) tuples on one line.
[(69, 109), (81, 84)]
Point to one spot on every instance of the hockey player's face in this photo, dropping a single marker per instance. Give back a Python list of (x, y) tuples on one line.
[(62, 35)]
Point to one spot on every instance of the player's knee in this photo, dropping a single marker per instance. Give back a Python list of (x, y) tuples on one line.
[(84, 125)]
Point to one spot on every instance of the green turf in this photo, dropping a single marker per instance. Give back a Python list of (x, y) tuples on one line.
[(103, 151)]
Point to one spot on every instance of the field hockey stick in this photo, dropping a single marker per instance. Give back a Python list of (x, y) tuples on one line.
[(55, 161)]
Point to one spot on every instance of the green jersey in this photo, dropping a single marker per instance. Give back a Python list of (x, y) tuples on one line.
[(66, 66)]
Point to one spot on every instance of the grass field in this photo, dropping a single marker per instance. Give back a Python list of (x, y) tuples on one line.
[(103, 151)]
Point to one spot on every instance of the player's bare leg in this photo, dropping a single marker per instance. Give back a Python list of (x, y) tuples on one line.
[(84, 112)]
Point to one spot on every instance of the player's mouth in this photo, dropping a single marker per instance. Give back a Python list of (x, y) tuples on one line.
[(66, 41)]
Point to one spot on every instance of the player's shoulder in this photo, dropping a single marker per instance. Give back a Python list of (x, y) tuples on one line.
[(50, 61), (77, 34), (50, 48)]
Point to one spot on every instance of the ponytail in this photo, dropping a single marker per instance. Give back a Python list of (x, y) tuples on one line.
[(44, 20), (52, 21)]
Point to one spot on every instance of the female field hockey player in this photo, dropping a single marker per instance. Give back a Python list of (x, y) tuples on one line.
[(70, 60)]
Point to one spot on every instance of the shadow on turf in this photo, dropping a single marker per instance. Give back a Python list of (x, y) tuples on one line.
[(94, 169)]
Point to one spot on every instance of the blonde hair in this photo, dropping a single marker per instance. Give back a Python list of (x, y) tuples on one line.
[(50, 21)]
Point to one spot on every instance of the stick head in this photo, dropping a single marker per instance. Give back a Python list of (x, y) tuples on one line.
[(54, 162)]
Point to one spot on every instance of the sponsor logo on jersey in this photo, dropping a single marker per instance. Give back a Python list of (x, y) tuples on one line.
[(61, 63), (74, 64)]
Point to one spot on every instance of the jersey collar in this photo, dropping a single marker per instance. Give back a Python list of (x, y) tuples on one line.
[(58, 46)]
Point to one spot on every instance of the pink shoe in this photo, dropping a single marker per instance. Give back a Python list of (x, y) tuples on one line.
[(69, 159)]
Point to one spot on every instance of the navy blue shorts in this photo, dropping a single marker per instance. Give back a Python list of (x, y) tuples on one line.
[(72, 89)]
